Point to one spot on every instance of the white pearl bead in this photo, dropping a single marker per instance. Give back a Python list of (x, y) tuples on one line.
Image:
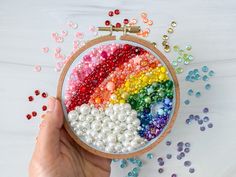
[(106, 120), (127, 107), (126, 143), (94, 111), (129, 119), (77, 108), (116, 108), (96, 125), (79, 133), (134, 144), (124, 150), (114, 117), (111, 138), (89, 118), (111, 125), (120, 137), (123, 126), (88, 139), (128, 134), (84, 109), (73, 115), (86, 125), (121, 117), (118, 147), (73, 124), (130, 127), (81, 118), (101, 136), (98, 117), (133, 114), (136, 122), (117, 130), (130, 148), (99, 144), (109, 111)]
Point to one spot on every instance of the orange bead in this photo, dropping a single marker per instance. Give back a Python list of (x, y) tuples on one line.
[(98, 100)]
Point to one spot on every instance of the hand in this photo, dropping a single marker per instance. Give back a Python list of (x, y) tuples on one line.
[(57, 155)]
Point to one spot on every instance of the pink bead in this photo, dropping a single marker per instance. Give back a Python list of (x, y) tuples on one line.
[(64, 33), (57, 55), (110, 86), (74, 26), (37, 68), (79, 35), (45, 50), (58, 50)]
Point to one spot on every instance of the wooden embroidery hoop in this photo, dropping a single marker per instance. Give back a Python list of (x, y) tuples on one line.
[(124, 37)]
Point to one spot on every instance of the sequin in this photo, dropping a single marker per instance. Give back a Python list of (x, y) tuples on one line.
[(210, 125), (187, 163), (208, 86), (198, 94), (173, 24), (186, 102), (211, 73), (190, 92), (150, 156), (191, 170)]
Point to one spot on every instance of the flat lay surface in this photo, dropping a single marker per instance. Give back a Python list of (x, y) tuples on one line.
[(208, 26)]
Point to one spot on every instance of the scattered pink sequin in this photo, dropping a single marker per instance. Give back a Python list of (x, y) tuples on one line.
[(45, 49), (37, 68)]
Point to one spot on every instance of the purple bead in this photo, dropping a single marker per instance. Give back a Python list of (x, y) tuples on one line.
[(206, 119), (174, 175), (191, 116), (202, 128), (196, 117), (182, 154), (179, 157), (168, 143), (186, 150), (180, 144), (187, 144), (210, 125), (191, 170), (160, 170), (187, 121), (180, 148), (168, 156), (205, 110), (160, 159), (161, 163), (200, 122), (187, 163)]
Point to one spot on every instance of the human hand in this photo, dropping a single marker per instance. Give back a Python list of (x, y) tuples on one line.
[(57, 155)]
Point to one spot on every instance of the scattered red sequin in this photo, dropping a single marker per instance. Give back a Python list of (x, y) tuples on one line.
[(117, 11), (107, 22), (110, 13), (44, 108), (118, 25), (125, 21), (37, 92), (28, 116), (34, 113), (30, 98), (44, 95)]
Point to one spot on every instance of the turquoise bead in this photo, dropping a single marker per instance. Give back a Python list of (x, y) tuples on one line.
[(198, 94), (187, 102), (149, 155), (205, 69), (205, 78), (190, 92), (211, 73), (208, 86)]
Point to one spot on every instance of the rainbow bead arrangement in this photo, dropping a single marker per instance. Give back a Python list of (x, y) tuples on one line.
[(123, 89)]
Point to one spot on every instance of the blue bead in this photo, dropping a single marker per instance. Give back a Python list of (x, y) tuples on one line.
[(206, 119), (208, 86), (190, 92), (205, 78), (198, 94), (187, 144), (210, 125), (187, 121), (196, 117), (150, 156), (205, 110), (205, 69), (191, 170), (202, 128), (186, 102), (200, 122), (211, 73)]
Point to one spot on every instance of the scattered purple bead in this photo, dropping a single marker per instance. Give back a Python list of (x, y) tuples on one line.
[(191, 170), (202, 128), (210, 125), (187, 163), (205, 110)]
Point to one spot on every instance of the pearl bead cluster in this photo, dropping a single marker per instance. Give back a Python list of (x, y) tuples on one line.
[(113, 130)]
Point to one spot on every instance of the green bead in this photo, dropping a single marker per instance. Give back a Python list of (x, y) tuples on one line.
[(169, 84), (179, 59), (190, 57), (211, 73), (176, 48), (188, 47), (147, 99), (179, 70), (174, 63), (181, 52)]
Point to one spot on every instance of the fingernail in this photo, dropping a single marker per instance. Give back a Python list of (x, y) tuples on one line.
[(51, 104)]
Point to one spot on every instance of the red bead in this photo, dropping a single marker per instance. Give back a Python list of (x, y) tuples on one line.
[(37, 92), (28, 116), (117, 11), (110, 13), (126, 21), (127, 47), (30, 98), (107, 22), (44, 95), (118, 25), (44, 108), (34, 113)]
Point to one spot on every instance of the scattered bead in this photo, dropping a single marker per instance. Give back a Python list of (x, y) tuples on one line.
[(198, 94), (187, 163), (34, 113), (190, 92), (208, 86), (37, 68), (107, 22), (173, 24), (188, 47), (117, 11), (44, 95), (186, 102), (211, 73), (191, 170), (28, 116), (125, 21), (37, 92), (168, 143), (44, 108), (202, 128), (205, 69), (150, 156), (160, 170), (210, 125), (205, 110), (110, 13), (45, 50), (30, 98)]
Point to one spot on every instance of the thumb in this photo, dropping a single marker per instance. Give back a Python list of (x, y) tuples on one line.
[(48, 142)]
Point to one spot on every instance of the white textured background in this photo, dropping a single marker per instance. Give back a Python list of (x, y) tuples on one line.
[(208, 25)]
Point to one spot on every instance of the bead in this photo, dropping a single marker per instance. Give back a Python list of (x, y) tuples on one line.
[(165, 37), (125, 21), (30, 98), (211, 73), (186, 102), (205, 110), (118, 25), (110, 13), (206, 119), (107, 22), (34, 113), (168, 156), (168, 143), (205, 78), (174, 175), (44, 95), (28, 116), (202, 128), (160, 170), (188, 47), (186, 150), (37, 68), (187, 163), (179, 70), (205, 69), (176, 48), (44, 107), (167, 48), (208, 86), (190, 92), (173, 24), (170, 30), (150, 156), (37, 92), (191, 170), (198, 94), (210, 125), (117, 11)]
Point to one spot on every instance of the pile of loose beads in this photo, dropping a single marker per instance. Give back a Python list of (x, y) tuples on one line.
[(165, 37), (182, 149), (135, 161), (183, 57), (31, 99), (118, 24), (113, 130), (203, 122), (145, 32), (117, 74)]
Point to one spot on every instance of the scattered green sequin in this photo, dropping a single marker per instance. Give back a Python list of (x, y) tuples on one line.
[(188, 47), (176, 48), (179, 70)]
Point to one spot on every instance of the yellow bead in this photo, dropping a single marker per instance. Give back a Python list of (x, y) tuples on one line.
[(163, 69), (124, 95)]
